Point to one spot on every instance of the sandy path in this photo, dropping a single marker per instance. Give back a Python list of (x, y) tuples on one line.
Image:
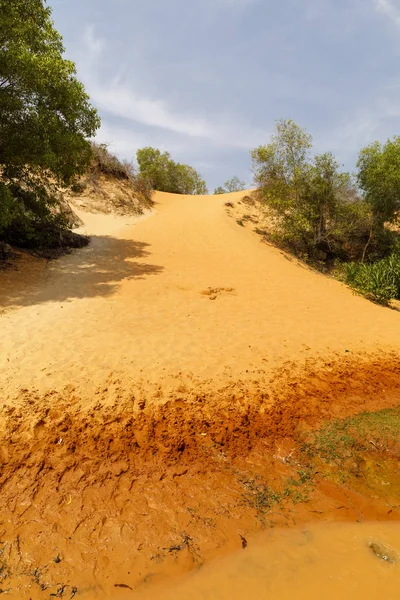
[(131, 305)]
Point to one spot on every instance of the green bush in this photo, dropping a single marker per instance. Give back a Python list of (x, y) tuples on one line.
[(166, 175), (46, 121), (27, 218), (379, 281)]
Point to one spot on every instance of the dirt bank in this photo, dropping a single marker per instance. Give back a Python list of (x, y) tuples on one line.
[(102, 500)]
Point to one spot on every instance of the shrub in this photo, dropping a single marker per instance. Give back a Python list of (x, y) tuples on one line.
[(45, 122), (105, 162), (379, 281), (318, 212)]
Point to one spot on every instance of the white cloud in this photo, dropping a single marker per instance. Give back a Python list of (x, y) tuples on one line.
[(119, 98), (94, 46), (121, 101), (390, 9), (365, 125)]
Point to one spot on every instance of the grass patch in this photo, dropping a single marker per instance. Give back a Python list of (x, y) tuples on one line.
[(263, 497), (344, 436), (361, 453)]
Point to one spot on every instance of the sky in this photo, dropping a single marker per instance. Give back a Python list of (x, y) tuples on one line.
[(206, 80)]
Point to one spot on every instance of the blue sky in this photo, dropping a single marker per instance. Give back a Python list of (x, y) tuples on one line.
[(207, 79)]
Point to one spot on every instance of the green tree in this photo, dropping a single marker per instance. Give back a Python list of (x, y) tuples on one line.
[(324, 187), (45, 114), (166, 175), (315, 203), (280, 167), (232, 185), (156, 167), (220, 190), (379, 179)]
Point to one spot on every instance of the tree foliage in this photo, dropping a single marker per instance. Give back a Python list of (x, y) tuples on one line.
[(316, 204), (231, 185), (379, 178), (166, 175), (45, 114)]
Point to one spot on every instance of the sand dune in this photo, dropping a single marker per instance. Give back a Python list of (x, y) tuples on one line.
[(137, 303), (148, 378)]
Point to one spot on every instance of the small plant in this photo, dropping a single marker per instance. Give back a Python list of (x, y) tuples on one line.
[(379, 281)]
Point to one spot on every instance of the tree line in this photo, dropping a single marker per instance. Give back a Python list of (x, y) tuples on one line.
[(330, 217)]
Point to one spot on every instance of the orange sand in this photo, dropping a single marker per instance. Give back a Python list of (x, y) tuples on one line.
[(136, 305)]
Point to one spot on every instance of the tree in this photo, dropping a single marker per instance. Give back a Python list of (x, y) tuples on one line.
[(281, 166), (232, 185), (220, 190), (155, 166), (324, 186), (310, 196), (166, 175), (45, 114), (188, 181), (235, 184), (379, 179)]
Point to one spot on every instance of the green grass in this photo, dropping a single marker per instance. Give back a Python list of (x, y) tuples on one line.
[(342, 437), (360, 452)]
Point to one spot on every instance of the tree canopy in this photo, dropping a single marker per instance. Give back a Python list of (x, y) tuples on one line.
[(379, 178), (45, 117), (45, 112), (231, 185), (166, 175), (316, 204)]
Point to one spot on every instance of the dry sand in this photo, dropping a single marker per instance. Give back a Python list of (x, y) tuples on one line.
[(135, 305)]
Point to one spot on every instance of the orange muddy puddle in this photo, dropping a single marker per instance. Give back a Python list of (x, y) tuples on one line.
[(330, 562)]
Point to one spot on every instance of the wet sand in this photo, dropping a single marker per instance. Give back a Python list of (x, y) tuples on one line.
[(312, 562)]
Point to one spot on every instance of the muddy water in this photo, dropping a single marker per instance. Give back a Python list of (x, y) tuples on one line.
[(332, 561)]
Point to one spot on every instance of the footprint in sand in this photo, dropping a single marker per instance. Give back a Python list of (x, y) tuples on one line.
[(213, 293)]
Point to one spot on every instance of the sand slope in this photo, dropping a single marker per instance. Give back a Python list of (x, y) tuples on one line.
[(151, 381), (135, 303)]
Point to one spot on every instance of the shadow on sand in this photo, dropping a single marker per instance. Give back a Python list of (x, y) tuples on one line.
[(96, 270)]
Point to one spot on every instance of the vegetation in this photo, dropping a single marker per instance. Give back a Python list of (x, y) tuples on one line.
[(166, 175), (103, 161), (232, 185), (316, 205), (45, 120), (379, 281), (379, 178), (360, 451), (320, 214)]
